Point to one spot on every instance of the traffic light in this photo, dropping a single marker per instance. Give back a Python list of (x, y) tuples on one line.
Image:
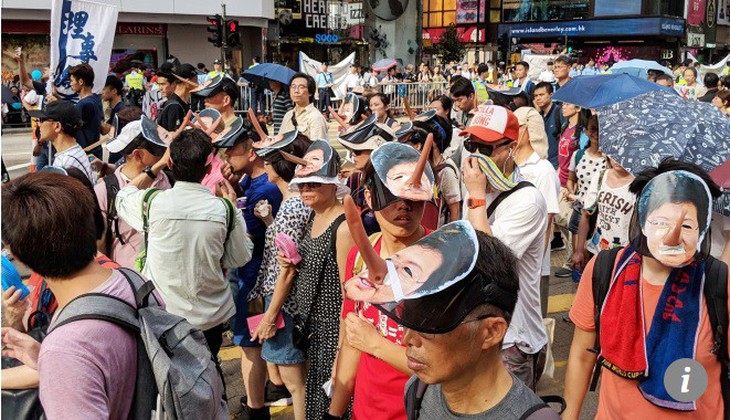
[(233, 38), (215, 26)]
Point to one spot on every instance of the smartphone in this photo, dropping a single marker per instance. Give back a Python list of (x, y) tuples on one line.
[(11, 277)]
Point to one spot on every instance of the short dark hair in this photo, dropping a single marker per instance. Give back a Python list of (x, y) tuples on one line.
[(711, 80), (523, 64), (664, 76), (564, 59), (189, 152), (83, 72), (48, 221), (80, 176), (114, 83), (462, 87), (694, 70), (311, 84), (446, 102), (544, 85)]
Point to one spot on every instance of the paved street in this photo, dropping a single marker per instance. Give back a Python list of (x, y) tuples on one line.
[(16, 153)]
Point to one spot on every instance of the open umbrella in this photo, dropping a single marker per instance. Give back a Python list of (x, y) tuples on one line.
[(384, 64), (640, 132), (605, 89), (262, 73), (639, 68)]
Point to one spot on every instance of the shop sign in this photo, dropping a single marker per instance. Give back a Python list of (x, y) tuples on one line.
[(695, 12), (667, 54), (695, 40), (315, 14), (328, 38), (608, 27), (125, 28)]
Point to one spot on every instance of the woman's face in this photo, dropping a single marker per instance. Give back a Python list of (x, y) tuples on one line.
[(315, 159), (398, 178), (271, 173), (667, 245), (377, 105), (314, 194), (360, 158), (413, 265), (592, 132), (401, 219), (569, 110), (718, 102)]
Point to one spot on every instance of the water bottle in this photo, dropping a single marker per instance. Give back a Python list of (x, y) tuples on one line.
[(242, 203)]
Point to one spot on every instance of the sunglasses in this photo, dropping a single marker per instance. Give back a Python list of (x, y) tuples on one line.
[(310, 185), (484, 149)]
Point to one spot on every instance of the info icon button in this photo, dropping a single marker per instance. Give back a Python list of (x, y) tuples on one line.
[(685, 380)]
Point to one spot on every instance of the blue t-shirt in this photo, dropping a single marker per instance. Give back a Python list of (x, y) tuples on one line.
[(554, 120), (92, 115), (255, 190)]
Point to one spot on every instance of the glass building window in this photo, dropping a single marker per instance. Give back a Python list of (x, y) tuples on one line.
[(539, 10), (438, 13)]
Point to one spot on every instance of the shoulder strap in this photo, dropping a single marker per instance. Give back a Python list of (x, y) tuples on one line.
[(579, 155), (101, 307), (112, 221), (601, 281), (504, 194), (716, 298), (230, 217), (414, 398), (146, 204)]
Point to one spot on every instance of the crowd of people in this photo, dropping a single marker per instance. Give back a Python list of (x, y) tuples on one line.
[(407, 279)]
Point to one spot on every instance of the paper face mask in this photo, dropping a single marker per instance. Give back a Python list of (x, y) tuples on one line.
[(155, 133), (268, 146), (319, 161), (402, 174), (674, 212), (368, 135), (432, 264)]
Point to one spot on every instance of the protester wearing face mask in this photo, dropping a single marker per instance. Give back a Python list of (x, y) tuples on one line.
[(519, 220), (372, 359), (658, 308)]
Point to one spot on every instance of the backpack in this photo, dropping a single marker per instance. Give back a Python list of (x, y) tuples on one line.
[(177, 377), (149, 195), (542, 411), (716, 298)]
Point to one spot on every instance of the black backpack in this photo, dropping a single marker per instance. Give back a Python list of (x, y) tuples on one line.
[(716, 297)]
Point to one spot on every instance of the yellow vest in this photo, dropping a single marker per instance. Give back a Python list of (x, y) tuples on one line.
[(213, 74), (134, 80), (480, 89)]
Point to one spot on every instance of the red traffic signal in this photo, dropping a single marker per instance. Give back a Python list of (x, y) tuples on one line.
[(216, 28), (233, 38)]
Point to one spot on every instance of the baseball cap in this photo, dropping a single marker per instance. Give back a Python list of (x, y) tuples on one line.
[(64, 112), (217, 61), (492, 123), (185, 71), (218, 84), (128, 134)]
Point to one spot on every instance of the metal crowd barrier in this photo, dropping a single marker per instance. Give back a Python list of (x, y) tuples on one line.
[(419, 96)]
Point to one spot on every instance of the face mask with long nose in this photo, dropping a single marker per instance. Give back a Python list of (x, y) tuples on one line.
[(432, 264)]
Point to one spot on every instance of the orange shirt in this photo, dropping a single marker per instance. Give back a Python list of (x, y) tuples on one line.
[(620, 398)]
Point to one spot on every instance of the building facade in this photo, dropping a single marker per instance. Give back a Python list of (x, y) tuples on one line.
[(147, 30)]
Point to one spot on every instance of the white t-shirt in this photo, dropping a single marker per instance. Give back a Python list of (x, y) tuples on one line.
[(75, 157), (520, 222), (720, 224), (449, 188), (543, 176), (615, 207)]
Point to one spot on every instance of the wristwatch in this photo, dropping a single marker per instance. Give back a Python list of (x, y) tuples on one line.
[(148, 171), (475, 203)]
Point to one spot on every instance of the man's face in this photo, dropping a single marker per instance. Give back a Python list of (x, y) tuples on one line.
[(520, 72), (49, 130), (463, 103), (240, 156), (324, 67), (166, 88), (689, 76), (144, 157), (76, 84), (438, 358), (664, 82), (218, 67), (561, 70), (108, 93), (298, 91), (542, 97), (219, 101)]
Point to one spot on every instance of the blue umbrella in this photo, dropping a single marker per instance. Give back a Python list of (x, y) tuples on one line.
[(262, 73), (639, 68), (384, 64), (605, 89), (640, 132)]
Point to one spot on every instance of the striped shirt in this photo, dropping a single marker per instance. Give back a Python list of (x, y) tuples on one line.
[(282, 104), (75, 157)]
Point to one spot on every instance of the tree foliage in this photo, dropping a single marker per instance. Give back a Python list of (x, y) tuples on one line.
[(450, 48)]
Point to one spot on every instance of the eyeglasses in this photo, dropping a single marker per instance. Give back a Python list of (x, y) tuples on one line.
[(485, 149), (431, 336), (298, 87)]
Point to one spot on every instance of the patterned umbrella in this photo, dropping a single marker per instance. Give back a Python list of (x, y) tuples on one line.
[(638, 133), (384, 64)]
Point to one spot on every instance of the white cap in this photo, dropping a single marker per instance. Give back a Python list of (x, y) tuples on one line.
[(122, 140)]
